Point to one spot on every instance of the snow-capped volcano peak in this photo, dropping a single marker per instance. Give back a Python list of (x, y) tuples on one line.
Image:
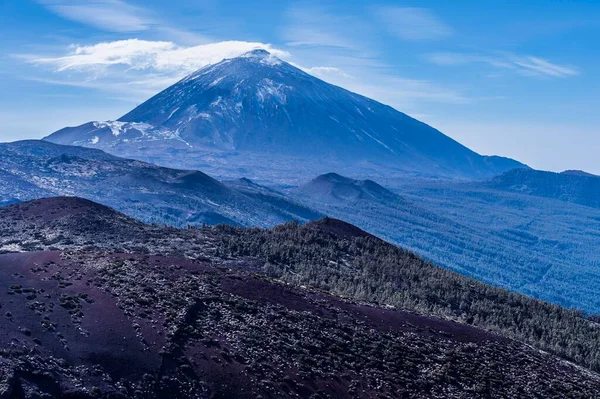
[(262, 56), (259, 104), (257, 53)]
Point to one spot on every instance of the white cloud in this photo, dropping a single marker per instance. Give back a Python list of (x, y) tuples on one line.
[(538, 66), (108, 15), (136, 69), (414, 24), (150, 55), (524, 65)]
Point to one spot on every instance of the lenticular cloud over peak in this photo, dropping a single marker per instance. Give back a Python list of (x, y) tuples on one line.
[(156, 55)]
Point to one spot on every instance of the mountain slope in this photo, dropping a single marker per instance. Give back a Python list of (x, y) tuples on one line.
[(216, 345), (123, 309), (33, 169), (14, 189), (537, 246), (334, 187), (275, 198), (570, 186), (257, 105)]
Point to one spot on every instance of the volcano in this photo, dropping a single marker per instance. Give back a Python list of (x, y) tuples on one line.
[(255, 113)]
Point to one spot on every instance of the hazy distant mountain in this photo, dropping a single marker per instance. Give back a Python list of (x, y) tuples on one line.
[(235, 114), (578, 173), (537, 246), (333, 187), (273, 197), (571, 186), (34, 169)]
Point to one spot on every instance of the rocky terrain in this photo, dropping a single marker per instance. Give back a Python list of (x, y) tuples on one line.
[(36, 169), (97, 305)]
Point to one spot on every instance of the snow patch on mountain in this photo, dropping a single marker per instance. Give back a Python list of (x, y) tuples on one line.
[(118, 128), (115, 127), (173, 113), (269, 89), (263, 56), (215, 82)]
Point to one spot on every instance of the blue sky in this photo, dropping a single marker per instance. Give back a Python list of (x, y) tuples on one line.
[(514, 78)]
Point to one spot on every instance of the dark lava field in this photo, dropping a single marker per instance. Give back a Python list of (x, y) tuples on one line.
[(96, 305)]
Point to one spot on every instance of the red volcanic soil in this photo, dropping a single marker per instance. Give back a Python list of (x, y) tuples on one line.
[(338, 228), (50, 209), (140, 326), (384, 320), (41, 290)]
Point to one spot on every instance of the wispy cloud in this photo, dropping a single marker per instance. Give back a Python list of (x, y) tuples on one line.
[(108, 15), (406, 94), (538, 66), (338, 48), (135, 54), (335, 44), (522, 64), (399, 92), (133, 69), (131, 92), (323, 71), (120, 16), (346, 51), (413, 24), (317, 27), (136, 69)]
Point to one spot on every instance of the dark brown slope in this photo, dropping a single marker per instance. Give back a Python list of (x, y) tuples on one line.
[(88, 325), (70, 222), (87, 320)]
